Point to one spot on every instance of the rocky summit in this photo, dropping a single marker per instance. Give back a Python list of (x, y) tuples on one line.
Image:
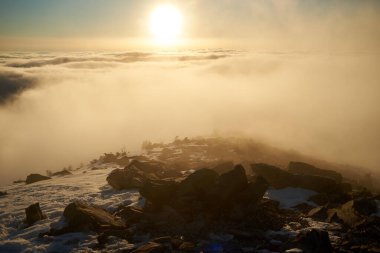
[(192, 196)]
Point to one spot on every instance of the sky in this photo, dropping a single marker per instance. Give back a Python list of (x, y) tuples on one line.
[(123, 24), (82, 77)]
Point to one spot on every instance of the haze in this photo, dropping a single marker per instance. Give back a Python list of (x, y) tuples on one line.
[(295, 74)]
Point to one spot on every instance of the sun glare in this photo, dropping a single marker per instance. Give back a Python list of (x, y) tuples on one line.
[(166, 24)]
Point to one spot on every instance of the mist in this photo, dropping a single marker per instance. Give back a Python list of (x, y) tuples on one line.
[(323, 105)]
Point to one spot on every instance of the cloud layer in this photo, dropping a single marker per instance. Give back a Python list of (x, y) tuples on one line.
[(66, 108)]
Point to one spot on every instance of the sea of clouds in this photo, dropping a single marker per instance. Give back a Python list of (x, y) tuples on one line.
[(65, 108)]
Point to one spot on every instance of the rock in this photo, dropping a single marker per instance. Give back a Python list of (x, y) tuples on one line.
[(62, 173), (318, 213), (231, 183), (316, 183), (128, 178), (354, 212), (313, 241), (19, 181), (279, 178), (81, 217), (223, 167), (197, 183), (150, 247), (303, 207), (254, 192), (275, 176), (129, 214), (187, 247), (307, 169), (135, 175), (159, 192), (3, 193), (34, 214), (32, 178)]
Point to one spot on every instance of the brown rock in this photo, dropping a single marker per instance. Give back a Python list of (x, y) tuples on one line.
[(32, 178), (81, 216), (34, 214)]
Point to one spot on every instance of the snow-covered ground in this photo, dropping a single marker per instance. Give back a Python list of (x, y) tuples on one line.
[(54, 195), (91, 186)]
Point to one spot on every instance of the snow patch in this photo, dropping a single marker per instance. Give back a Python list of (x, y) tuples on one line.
[(290, 196)]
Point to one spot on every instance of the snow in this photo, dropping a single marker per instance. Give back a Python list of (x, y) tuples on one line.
[(290, 197), (54, 195)]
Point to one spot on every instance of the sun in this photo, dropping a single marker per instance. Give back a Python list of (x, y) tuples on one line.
[(165, 24)]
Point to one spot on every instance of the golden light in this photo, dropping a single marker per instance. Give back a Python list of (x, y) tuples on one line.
[(165, 24)]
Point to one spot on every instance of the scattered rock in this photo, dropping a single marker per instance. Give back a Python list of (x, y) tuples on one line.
[(34, 214), (308, 169), (32, 178)]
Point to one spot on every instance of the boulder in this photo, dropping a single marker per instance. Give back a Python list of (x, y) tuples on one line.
[(81, 217), (313, 241), (34, 214), (159, 192), (32, 178), (308, 169)]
